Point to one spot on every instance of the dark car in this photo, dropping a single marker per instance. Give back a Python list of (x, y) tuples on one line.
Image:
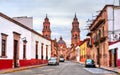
[(53, 61), (89, 63), (61, 59)]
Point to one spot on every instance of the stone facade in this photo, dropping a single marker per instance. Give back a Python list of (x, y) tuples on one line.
[(105, 22)]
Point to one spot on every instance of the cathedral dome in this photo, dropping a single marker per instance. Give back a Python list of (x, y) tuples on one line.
[(61, 42)]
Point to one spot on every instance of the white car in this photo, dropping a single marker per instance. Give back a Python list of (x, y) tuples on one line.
[(62, 60), (53, 61)]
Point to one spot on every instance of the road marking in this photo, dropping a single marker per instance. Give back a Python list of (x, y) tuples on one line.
[(48, 70)]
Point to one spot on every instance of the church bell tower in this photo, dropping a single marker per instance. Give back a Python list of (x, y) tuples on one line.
[(75, 32), (46, 28)]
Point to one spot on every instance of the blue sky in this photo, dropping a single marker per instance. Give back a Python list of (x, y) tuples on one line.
[(60, 13)]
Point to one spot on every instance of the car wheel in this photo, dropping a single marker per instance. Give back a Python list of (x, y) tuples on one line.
[(94, 66)]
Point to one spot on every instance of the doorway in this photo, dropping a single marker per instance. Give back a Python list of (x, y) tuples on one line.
[(113, 58), (15, 53), (16, 49)]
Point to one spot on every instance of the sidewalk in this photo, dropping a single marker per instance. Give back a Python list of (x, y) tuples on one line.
[(20, 68), (115, 70)]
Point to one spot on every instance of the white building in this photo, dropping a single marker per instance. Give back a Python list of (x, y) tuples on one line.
[(27, 21), (113, 22), (113, 14), (114, 51), (21, 45), (77, 53)]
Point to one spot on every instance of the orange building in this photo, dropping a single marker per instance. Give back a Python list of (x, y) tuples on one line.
[(54, 48)]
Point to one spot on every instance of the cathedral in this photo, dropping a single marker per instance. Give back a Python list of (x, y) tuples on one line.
[(61, 48), (61, 45)]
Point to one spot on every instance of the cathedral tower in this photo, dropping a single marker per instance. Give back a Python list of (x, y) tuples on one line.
[(75, 32), (46, 28)]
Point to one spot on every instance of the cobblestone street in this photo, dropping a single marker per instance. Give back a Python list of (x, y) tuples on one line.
[(66, 68)]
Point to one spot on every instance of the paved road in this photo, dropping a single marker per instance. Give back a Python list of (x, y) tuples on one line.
[(65, 68)]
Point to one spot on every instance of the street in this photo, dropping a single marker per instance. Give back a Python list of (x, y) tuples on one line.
[(65, 68)]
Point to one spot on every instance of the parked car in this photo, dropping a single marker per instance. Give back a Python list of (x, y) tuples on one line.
[(61, 59), (89, 63), (53, 61)]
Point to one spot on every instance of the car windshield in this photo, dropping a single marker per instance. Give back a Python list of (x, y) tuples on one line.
[(53, 59), (89, 60), (61, 58)]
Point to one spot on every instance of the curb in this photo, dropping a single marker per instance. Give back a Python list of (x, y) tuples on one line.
[(21, 68), (111, 70), (105, 69)]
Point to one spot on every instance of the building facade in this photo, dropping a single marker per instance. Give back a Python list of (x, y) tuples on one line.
[(101, 31), (84, 50), (21, 45), (54, 48)]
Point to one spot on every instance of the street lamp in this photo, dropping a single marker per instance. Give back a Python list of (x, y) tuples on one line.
[(24, 39)]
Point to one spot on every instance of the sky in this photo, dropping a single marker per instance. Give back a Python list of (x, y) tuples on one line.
[(59, 12)]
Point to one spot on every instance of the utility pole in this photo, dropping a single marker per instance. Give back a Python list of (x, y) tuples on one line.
[(113, 21), (119, 2)]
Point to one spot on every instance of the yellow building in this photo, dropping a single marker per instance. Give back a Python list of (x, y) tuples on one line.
[(84, 50)]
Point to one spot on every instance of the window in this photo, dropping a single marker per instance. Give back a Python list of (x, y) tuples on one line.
[(42, 51), (24, 51), (36, 56), (3, 47), (46, 52), (99, 34), (75, 36), (103, 31), (3, 44), (46, 36)]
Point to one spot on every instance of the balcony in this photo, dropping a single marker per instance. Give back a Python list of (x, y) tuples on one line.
[(102, 39), (100, 22), (99, 41), (96, 43)]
